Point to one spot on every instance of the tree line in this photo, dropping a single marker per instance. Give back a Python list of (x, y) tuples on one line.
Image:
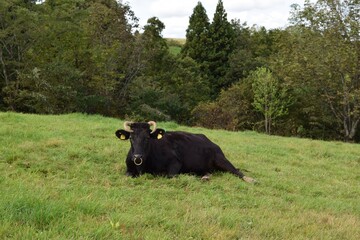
[(91, 56)]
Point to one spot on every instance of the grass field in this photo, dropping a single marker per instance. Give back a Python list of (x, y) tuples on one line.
[(175, 50), (180, 41), (175, 45), (62, 177)]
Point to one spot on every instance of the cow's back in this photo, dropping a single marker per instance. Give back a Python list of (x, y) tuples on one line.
[(195, 151)]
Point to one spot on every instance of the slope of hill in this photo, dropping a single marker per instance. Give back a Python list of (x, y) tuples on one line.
[(62, 177), (175, 45)]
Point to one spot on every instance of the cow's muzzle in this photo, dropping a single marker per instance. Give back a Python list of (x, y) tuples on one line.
[(137, 160)]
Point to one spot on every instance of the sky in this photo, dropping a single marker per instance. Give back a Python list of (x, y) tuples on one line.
[(175, 14)]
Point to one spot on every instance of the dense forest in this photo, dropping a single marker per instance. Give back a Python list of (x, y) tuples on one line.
[(91, 56)]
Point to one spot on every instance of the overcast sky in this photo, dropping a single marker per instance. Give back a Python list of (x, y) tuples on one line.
[(175, 13)]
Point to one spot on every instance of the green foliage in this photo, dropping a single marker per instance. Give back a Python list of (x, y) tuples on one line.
[(155, 48), (221, 45), (320, 57), (144, 100), (197, 36), (270, 98), (187, 83), (243, 59), (49, 190), (232, 110), (18, 30), (147, 86), (79, 53), (168, 87), (253, 47), (171, 95), (89, 56)]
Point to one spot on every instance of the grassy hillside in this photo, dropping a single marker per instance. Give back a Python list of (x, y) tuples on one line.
[(179, 41), (175, 45), (62, 177)]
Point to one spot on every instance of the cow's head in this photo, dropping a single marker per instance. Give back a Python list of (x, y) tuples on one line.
[(140, 135)]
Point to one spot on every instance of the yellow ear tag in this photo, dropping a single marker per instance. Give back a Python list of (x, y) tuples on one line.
[(122, 137), (159, 136)]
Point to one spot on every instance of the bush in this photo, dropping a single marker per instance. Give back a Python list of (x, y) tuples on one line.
[(233, 109)]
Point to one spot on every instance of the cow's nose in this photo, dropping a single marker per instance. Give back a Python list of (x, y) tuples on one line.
[(138, 159)]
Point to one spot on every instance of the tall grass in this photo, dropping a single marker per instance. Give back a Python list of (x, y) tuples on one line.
[(62, 177)]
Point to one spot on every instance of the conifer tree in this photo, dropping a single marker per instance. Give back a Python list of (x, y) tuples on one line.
[(222, 37), (197, 35)]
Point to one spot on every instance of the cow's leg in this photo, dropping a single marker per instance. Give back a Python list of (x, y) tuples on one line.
[(130, 174), (225, 165), (131, 171), (249, 179), (206, 177), (174, 168), (222, 164)]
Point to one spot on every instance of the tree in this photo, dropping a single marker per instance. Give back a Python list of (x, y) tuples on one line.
[(187, 87), (232, 110), (18, 28), (197, 35), (168, 87), (221, 46), (253, 48), (154, 62), (52, 77), (242, 60), (326, 56), (270, 99), (154, 46), (111, 60), (71, 55)]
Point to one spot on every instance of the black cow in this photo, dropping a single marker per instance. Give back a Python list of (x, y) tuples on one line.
[(172, 153)]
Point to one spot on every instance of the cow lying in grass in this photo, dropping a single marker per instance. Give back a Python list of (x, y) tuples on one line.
[(171, 153)]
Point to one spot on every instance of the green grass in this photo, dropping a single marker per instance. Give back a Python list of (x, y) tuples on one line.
[(175, 50), (175, 45), (62, 177)]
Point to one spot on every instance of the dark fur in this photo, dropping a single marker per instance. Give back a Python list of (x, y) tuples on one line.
[(174, 153)]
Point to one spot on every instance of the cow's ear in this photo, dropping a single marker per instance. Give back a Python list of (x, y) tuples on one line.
[(158, 134), (122, 134)]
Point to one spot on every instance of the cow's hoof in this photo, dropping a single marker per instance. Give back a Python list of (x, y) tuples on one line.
[(205, 177), (249, 179)]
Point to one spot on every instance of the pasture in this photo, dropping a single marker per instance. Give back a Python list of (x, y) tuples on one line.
[(175, 45), (62, 177)]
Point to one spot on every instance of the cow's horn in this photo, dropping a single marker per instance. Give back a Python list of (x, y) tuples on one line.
[(127, 126), (153, 124)]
